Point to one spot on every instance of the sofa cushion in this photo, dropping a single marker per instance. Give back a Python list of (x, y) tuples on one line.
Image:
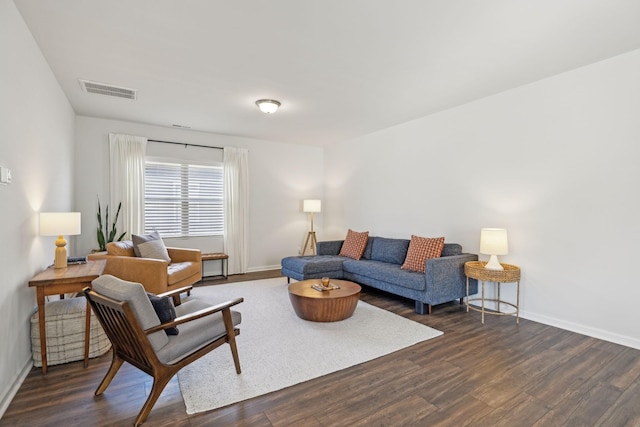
[(420, 250), (123, 248), (150, 246), (354, 244), (367, 249), (387, 273), (450, 249), (389, 250), (313, 264)]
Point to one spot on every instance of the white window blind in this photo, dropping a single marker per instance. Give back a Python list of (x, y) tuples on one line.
[(183, 200)]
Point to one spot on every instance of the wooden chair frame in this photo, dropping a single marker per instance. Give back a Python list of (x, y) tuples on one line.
[(131, 344)]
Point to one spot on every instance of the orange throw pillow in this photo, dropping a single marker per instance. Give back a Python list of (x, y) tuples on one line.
[(354, 244), (420, 250)]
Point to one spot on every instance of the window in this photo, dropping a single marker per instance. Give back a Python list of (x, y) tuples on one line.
[(183, 200)]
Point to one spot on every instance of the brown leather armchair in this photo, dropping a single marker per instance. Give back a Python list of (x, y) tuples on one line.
[(157, 276)]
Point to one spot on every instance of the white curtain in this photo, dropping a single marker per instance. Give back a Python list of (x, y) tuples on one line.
[(126, 179), (236, 205)]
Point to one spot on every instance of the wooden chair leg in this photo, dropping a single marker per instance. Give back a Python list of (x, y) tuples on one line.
[(176, 300), (231, 337), (156, 390), (116, 363)]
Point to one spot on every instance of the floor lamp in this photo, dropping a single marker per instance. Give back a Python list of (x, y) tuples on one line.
[(311, 206)]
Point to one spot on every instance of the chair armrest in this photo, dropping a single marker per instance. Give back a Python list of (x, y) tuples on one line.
[(330, 247), (195, 315), (175, 291), (185, 255), (97, 255)]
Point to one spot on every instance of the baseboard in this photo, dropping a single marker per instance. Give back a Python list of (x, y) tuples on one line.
[(582, 329), (15, 386), (579, 329), (263, 268)]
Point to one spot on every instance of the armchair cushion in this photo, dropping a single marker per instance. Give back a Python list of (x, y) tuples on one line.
[(179, 271), (135, 295), (150, 246), (165, 310), (196, 333)]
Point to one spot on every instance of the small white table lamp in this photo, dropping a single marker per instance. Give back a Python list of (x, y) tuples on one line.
[(493, 241), (311, 206), (60, 224)]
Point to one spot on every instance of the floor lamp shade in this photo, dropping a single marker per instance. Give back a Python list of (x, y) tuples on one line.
[(312, 206), (493, 242), (60, 224)]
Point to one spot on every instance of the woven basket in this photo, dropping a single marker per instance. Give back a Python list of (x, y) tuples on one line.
[(476, 270)]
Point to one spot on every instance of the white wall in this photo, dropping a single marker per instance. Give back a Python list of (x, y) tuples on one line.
[(36, 143), (280, 176), (555, 162)]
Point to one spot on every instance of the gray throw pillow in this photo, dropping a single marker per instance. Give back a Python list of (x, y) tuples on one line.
[(150, 246)]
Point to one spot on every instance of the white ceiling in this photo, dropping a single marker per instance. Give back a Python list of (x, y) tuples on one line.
[(341, 68)]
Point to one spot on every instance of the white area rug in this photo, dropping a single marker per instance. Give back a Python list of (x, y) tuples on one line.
[(277, 349)]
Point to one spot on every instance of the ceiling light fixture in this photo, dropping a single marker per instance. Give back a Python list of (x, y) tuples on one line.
[(268, 106)]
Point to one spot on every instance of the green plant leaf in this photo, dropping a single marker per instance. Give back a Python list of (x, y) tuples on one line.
[(103, 234)]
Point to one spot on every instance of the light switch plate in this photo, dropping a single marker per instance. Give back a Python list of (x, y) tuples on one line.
[(5, 175)]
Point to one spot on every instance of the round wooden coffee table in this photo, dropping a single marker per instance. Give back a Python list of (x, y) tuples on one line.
[(325, 306)]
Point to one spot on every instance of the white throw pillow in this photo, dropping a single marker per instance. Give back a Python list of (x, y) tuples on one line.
[(150, 246)]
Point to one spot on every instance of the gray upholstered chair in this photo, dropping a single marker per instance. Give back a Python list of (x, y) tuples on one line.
[(131, 323)]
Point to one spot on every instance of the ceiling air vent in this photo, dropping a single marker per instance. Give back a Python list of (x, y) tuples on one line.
[(108, 90)]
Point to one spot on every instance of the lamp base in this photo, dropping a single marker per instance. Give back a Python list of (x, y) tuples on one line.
[(61, 253), (311, 243), (493, 264)]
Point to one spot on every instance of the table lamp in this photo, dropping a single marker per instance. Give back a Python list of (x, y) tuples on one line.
[(493, 241), (311, 206), (60, 224)]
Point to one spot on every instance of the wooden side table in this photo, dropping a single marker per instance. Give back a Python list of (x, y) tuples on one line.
[(222, 257), (510, 274), (59, 281)]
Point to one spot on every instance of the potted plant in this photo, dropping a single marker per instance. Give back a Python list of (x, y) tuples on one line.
[(103, 234)]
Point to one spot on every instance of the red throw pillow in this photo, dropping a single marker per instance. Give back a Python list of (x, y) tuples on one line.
[(420, 250), (354, 244)]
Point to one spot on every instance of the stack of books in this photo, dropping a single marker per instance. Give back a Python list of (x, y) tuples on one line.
[(318, 287)]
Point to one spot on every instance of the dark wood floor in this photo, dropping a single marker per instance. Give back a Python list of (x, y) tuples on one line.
[(497, 374)]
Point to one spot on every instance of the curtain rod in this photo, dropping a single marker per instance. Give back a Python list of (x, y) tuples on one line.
[(185, 144)]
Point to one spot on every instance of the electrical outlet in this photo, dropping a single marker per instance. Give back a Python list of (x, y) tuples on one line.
[(299, 251)]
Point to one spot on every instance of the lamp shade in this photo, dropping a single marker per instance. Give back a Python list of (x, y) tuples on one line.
[(311, 205), (493, 241), (59, 223)]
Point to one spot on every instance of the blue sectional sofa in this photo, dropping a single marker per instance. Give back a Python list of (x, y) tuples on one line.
[(379, 267)]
